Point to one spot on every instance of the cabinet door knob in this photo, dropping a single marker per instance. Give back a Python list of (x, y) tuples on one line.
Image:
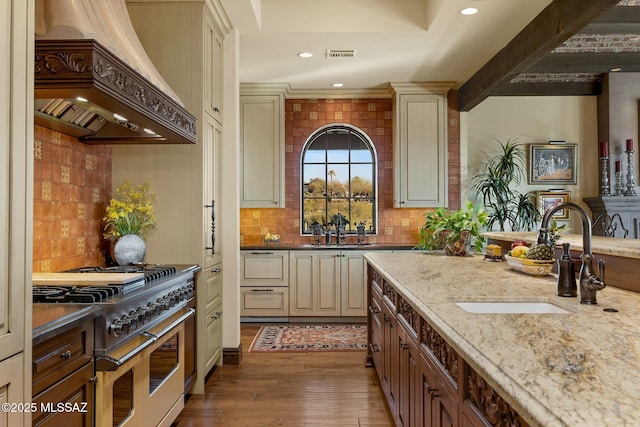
[(66, 355), (93, 380)]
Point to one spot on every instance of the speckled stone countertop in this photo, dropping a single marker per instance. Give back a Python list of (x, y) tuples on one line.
[(628, 248), (576, 369)]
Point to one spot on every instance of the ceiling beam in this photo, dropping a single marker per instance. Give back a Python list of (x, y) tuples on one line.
[(549, 89), (555, 24), (585, 62)]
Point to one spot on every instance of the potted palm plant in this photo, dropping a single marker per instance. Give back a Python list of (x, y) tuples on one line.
[(453, 231), (505, 206)]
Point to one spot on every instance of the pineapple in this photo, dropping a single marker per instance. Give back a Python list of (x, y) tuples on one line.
[(540, 252), (545, 252)]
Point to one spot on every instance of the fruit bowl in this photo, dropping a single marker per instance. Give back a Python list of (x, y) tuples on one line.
[(530, 266)]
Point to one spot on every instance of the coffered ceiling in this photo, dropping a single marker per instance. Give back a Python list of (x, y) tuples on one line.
[(515, 47)]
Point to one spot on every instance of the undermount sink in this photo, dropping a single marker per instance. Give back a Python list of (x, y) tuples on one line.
[(488, 307)]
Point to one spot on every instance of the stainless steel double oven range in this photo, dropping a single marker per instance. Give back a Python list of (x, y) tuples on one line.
[(139, 340)]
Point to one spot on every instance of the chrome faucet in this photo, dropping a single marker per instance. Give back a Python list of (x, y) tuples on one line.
[(590, 283)]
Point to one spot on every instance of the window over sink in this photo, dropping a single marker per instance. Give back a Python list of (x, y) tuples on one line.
[(338, 165)]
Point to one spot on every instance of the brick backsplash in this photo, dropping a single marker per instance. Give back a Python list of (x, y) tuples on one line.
[(375, 118), (72, 186)]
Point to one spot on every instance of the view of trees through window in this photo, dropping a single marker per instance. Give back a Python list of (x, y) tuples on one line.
[(338, 176)]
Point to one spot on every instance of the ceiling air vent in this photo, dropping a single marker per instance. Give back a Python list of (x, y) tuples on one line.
[(340, 53)]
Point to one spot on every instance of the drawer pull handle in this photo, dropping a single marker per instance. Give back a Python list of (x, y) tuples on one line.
[(262, 253), (66, 355), (217, 270), (374, 310), (261, 290), (216, 315)]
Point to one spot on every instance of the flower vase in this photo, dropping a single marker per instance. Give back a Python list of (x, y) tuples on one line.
[(458, 246), (129, 249)]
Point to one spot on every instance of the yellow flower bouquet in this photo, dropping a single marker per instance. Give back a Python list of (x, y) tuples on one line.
[(131, 211)]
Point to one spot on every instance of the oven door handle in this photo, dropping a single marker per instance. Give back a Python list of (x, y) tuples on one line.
[(187, 314), (108, 363)]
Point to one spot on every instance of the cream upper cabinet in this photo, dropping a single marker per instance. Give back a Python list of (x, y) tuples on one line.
[(420, 145), (16, 205), (262, 150), (212, 60)]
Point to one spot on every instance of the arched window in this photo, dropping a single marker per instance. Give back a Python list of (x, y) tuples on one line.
[(338, 165)]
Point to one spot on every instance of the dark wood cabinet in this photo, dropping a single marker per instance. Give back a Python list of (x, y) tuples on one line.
[(63, 382), (439, 401), (69, 402), (425, 381), (390, 356)]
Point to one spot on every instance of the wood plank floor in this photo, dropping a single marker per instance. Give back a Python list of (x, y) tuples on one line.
[(289, 389)]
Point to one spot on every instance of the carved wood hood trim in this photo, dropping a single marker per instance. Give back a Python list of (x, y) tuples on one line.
[(68, 69)]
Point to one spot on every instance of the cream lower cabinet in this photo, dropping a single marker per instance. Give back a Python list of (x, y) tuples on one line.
[(327, 283), (211, 319), (264, 284), (353, 284), (12, 390)]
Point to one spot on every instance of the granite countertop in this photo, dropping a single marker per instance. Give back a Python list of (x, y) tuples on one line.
[(342, 246), (628, 248), (51, 319), (573, 369)]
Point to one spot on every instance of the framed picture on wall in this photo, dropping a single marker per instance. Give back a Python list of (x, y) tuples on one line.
[(548, 199), (553, 164)]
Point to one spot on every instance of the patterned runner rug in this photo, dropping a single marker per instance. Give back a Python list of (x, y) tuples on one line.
[(301, 338)]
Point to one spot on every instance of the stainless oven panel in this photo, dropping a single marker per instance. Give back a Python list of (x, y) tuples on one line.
[(123, 322)]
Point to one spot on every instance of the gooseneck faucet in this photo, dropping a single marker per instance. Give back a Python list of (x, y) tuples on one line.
[(590, 283)]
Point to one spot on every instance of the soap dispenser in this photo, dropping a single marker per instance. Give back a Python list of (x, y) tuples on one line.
[(566, 274)]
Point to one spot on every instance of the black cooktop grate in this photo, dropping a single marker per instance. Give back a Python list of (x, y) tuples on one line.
[(84, 294), (151, 272)]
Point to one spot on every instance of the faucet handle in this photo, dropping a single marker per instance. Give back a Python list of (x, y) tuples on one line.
[(601, 269)]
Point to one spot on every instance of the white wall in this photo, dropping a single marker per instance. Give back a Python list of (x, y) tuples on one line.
[(534, 120)]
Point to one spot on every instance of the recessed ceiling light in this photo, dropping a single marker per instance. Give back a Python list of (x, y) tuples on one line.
[(615, 70), (337, 84), (305, 54), (81, 99), (469, 11), (119, 117)]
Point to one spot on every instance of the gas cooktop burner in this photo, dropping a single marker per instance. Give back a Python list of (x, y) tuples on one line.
[(84, 294), (151, 272)]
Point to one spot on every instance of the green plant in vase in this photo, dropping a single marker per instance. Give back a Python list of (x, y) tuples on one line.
[(453, 231)]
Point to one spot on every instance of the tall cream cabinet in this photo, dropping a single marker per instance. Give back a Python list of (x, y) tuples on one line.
[(420, 145), (16, 204), (261, 147), (184, 40)]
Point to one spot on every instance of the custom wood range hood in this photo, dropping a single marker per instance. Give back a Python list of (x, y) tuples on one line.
[(93, 79)]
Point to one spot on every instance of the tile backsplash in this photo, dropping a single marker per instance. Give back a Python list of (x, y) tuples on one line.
[(72, 186), (373, 116)]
